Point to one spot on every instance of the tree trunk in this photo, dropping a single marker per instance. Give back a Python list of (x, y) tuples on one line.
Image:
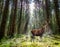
[(20, 18), (4, 18), (26, 24), (1, 9), (56, 7), (13, 19), (47, 10)]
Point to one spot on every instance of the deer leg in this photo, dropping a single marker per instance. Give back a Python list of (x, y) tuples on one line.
[(32, 37), (40, 38)]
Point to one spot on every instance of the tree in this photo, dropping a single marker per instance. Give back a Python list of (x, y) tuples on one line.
[(47, 10), (13, 19), (56, 7), (20, 17), (4, 18), (1, 9)]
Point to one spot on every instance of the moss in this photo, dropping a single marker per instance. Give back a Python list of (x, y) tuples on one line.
[(22, 42)]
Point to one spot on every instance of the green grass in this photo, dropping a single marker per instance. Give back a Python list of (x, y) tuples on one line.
[(26, 42)]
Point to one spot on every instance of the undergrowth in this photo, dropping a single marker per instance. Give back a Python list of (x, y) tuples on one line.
[(24, 41)]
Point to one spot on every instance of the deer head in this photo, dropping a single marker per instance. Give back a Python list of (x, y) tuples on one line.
[(45, 25)]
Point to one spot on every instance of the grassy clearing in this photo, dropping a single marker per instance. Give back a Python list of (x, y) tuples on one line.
[(26, 42)]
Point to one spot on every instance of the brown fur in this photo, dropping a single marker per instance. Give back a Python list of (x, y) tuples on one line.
[(40, 31), (37, 32)]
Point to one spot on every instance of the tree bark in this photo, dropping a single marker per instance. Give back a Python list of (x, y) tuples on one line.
[(20, 18), (4, 18), (13, 19), (1, 9), (47, 10), (56, 7)]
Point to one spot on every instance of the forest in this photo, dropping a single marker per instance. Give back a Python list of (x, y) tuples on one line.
[(29, 23)]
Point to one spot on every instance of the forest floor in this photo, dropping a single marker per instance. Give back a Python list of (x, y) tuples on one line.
[(23, 41)]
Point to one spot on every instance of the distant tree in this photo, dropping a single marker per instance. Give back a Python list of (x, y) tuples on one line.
[(56, 7), (25, 17), (1, 9), (47, 4), (13, 19), (19, 24), (4, 18), (26, 24)]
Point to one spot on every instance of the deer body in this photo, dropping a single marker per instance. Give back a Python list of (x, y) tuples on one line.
[(37, 32)]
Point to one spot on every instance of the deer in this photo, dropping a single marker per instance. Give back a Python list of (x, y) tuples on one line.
[(40, 31)]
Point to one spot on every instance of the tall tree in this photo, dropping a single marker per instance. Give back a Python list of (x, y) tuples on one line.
[(47, 10), (13, 19), (1, 9), (20, 17), (26, 24), (26, 16), (4, 18), (56, 7)]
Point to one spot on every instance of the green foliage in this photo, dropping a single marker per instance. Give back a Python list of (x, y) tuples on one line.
[(22, 41)]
